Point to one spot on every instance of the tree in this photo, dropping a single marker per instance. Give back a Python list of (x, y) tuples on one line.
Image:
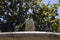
[(15, 12), (12, 12)]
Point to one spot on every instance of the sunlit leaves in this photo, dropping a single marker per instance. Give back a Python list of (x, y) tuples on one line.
[(47, 13), (51, 14), (59, 0), (55, 6), (44, 12), (46, 6), (58, 30), (15, 13), (49, 9), (39, 0)]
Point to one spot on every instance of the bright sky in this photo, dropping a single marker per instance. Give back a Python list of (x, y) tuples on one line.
[(52, 2)]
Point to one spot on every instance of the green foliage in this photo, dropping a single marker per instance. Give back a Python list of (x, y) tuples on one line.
[(59, 0), (15, 13), (18, 11)]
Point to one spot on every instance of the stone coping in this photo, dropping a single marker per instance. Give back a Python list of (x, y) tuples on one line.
[(29, 32), (29, 35)]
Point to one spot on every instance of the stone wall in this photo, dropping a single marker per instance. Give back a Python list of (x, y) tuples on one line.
[(31, 36)]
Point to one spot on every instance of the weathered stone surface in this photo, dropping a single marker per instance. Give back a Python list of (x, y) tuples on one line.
[(29, 25), (29, 36)]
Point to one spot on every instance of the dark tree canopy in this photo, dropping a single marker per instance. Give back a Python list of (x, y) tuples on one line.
[(15, 12)]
